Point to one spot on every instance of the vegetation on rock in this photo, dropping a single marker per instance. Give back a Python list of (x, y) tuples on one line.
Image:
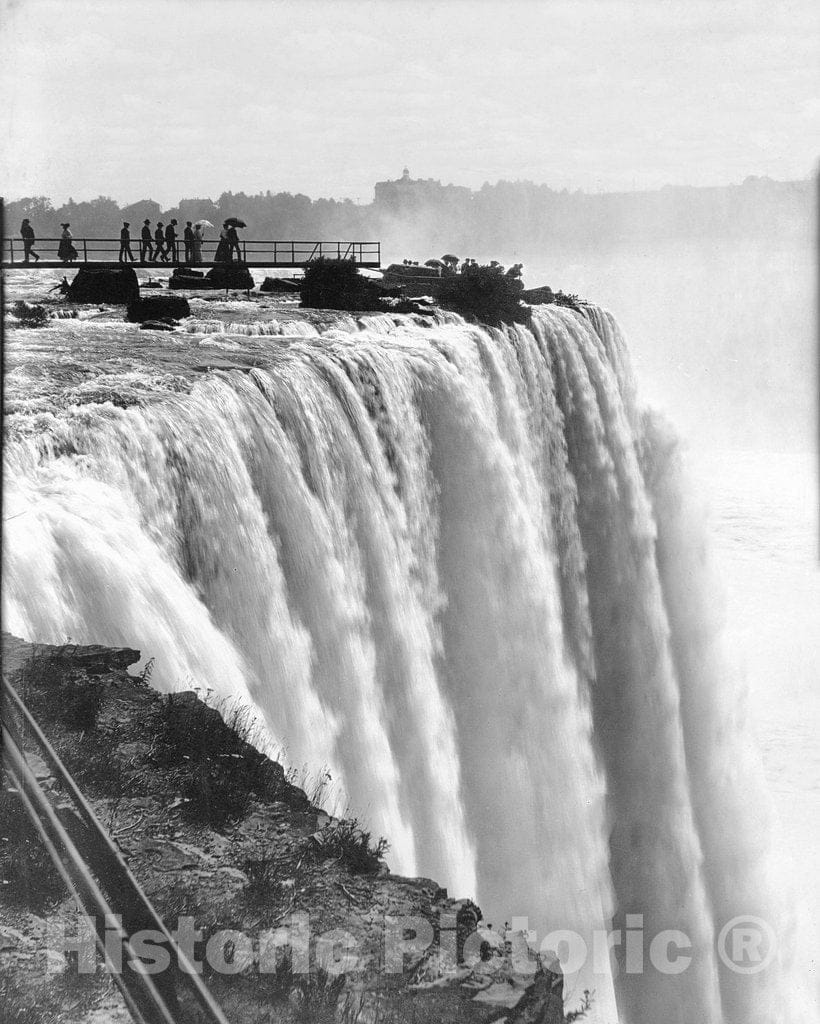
[(567, 299), (337, 284), (486, 295), (217, 832)]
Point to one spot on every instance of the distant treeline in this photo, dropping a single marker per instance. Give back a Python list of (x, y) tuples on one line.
[(421, 217)]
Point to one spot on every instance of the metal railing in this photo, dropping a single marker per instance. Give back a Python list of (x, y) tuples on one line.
[(102, 883), (254, 252)]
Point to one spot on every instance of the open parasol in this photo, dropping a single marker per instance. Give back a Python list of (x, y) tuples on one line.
[(449, 258), (203, 224), (235, 222), (434, 263)]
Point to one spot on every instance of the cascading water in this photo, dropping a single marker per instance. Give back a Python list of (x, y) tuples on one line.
[(459, 568)]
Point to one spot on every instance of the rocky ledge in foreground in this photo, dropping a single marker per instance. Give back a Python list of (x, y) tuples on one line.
[(216, 832)]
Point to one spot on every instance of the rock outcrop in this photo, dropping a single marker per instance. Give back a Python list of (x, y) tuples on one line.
[(158, 307), (230, 276), (192, 280), (538, 296), (217, 834), (116, 285), (280, 284)]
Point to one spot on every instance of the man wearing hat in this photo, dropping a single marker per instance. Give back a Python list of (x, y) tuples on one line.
[(27, 234), (188, 235), (146, 249), (171, 240), (125, 243)]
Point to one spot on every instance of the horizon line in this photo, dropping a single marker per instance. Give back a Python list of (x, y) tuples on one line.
[(750, 178)]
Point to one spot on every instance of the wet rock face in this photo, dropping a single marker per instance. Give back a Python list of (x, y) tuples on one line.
[(230, 275), (157, 325), (279, 284), (158, 308), (118, 286), (494, 973), (188, 278), (216, 834), (538, 296)]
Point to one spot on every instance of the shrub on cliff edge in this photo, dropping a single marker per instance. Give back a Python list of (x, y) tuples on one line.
[(337, 284), (485, 295), (217, 770)]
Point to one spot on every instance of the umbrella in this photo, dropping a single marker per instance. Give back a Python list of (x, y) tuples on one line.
[(235, 222), (450, 258), (434, 263), (203, 224)]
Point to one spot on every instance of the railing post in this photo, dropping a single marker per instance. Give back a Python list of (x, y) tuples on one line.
[(11, 250), (292, 252), (85, 250)]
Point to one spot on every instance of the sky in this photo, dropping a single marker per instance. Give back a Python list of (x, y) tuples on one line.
[(170, 99)]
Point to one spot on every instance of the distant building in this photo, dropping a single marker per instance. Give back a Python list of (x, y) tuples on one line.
[(406, 193)]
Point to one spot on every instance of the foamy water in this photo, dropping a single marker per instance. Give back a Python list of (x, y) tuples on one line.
[(763, 514), (458, 567)]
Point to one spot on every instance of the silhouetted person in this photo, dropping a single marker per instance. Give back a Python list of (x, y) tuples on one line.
[(171, 240), (146, 248), (63, 287), (159, 243), (223, 249), (233, 243), (27, 234), (199, 236), (188, 235), (125, 243), (67, 253)]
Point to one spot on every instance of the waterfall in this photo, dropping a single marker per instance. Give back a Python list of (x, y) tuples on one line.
[(460, 569)]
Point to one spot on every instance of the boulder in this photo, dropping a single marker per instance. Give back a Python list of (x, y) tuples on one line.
[(187, 277), (156, 325), (93, 659), (404, 270), (230, 275), (116, 285), (544, 1001), (189, 282), (158, 307), (538, 296), (279, 284), (337, 284)]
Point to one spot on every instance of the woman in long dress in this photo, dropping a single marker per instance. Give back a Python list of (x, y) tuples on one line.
[(66, 252), (223, 250), (199, 237)]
